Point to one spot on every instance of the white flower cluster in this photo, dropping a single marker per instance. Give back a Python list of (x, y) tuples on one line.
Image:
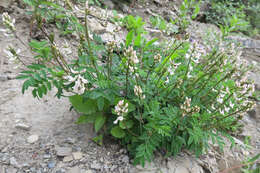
[(130, 53), (157, 58), (12, 55), (195, 52), (121, 109), (80, 81), (8, 21), (186, 106), (173, 66), (111, 45), (139, 92), (246, 88)]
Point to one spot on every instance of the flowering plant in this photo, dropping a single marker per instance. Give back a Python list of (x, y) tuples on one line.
[(150, 97)]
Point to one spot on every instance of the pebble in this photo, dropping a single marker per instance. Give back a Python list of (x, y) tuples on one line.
[(88, 171), (75, 170), (95, 166), (33, 169), (67, 158), (11, 170), (32, 139), (125, 159), (46, 156), (51, 164), (23, 126), (63, 151), (13, 162), (3, 78), (70, 141), (77, 155)]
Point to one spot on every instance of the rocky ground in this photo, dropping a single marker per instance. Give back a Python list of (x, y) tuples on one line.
[(40, 136)]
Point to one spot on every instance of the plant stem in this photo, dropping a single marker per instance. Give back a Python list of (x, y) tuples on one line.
[(88, 40)]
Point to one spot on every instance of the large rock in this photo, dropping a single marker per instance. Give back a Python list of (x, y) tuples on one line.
[(5, 3)]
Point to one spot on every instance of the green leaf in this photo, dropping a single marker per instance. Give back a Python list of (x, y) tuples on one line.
[(100, 121), (149, 43), (117, 132), (100, 103), (88, 107), (98, 139), (138, 40), (49, 86), (23, 76), (128, 124), (254, 158), (129, 38), (86, 119), (34, 93), (39, 90), (190, 140)]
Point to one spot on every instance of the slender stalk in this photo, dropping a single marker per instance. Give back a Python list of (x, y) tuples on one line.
[(88, 40), (126, 78)]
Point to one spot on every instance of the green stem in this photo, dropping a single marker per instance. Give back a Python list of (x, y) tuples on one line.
[(88, 40)]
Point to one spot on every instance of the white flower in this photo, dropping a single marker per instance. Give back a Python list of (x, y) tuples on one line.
[(171, 71), (157, 58), (187, 56), (77, 72), (131, 54), (167, 80), (189, 75), (80, 82), (221, 112), (186, 106), (214, 90), (12, 55), (120, 118), (231, 104), (132, 69), (196, 60), (8, 21), (79, 86), (69, 79), (226, 109), (220, 100), (121, 108), (139, 92)]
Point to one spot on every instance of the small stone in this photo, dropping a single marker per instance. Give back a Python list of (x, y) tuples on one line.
[(67, 158), (3, 78), (23, 126), (125, 159), (33, 169), (75, 170), (60, 171), (32, 139), (88, 171), (63, 151), (46, 156), (11, 170), (70, 141), (13, 162), (51, 164), (95, 166), (77, 155)]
